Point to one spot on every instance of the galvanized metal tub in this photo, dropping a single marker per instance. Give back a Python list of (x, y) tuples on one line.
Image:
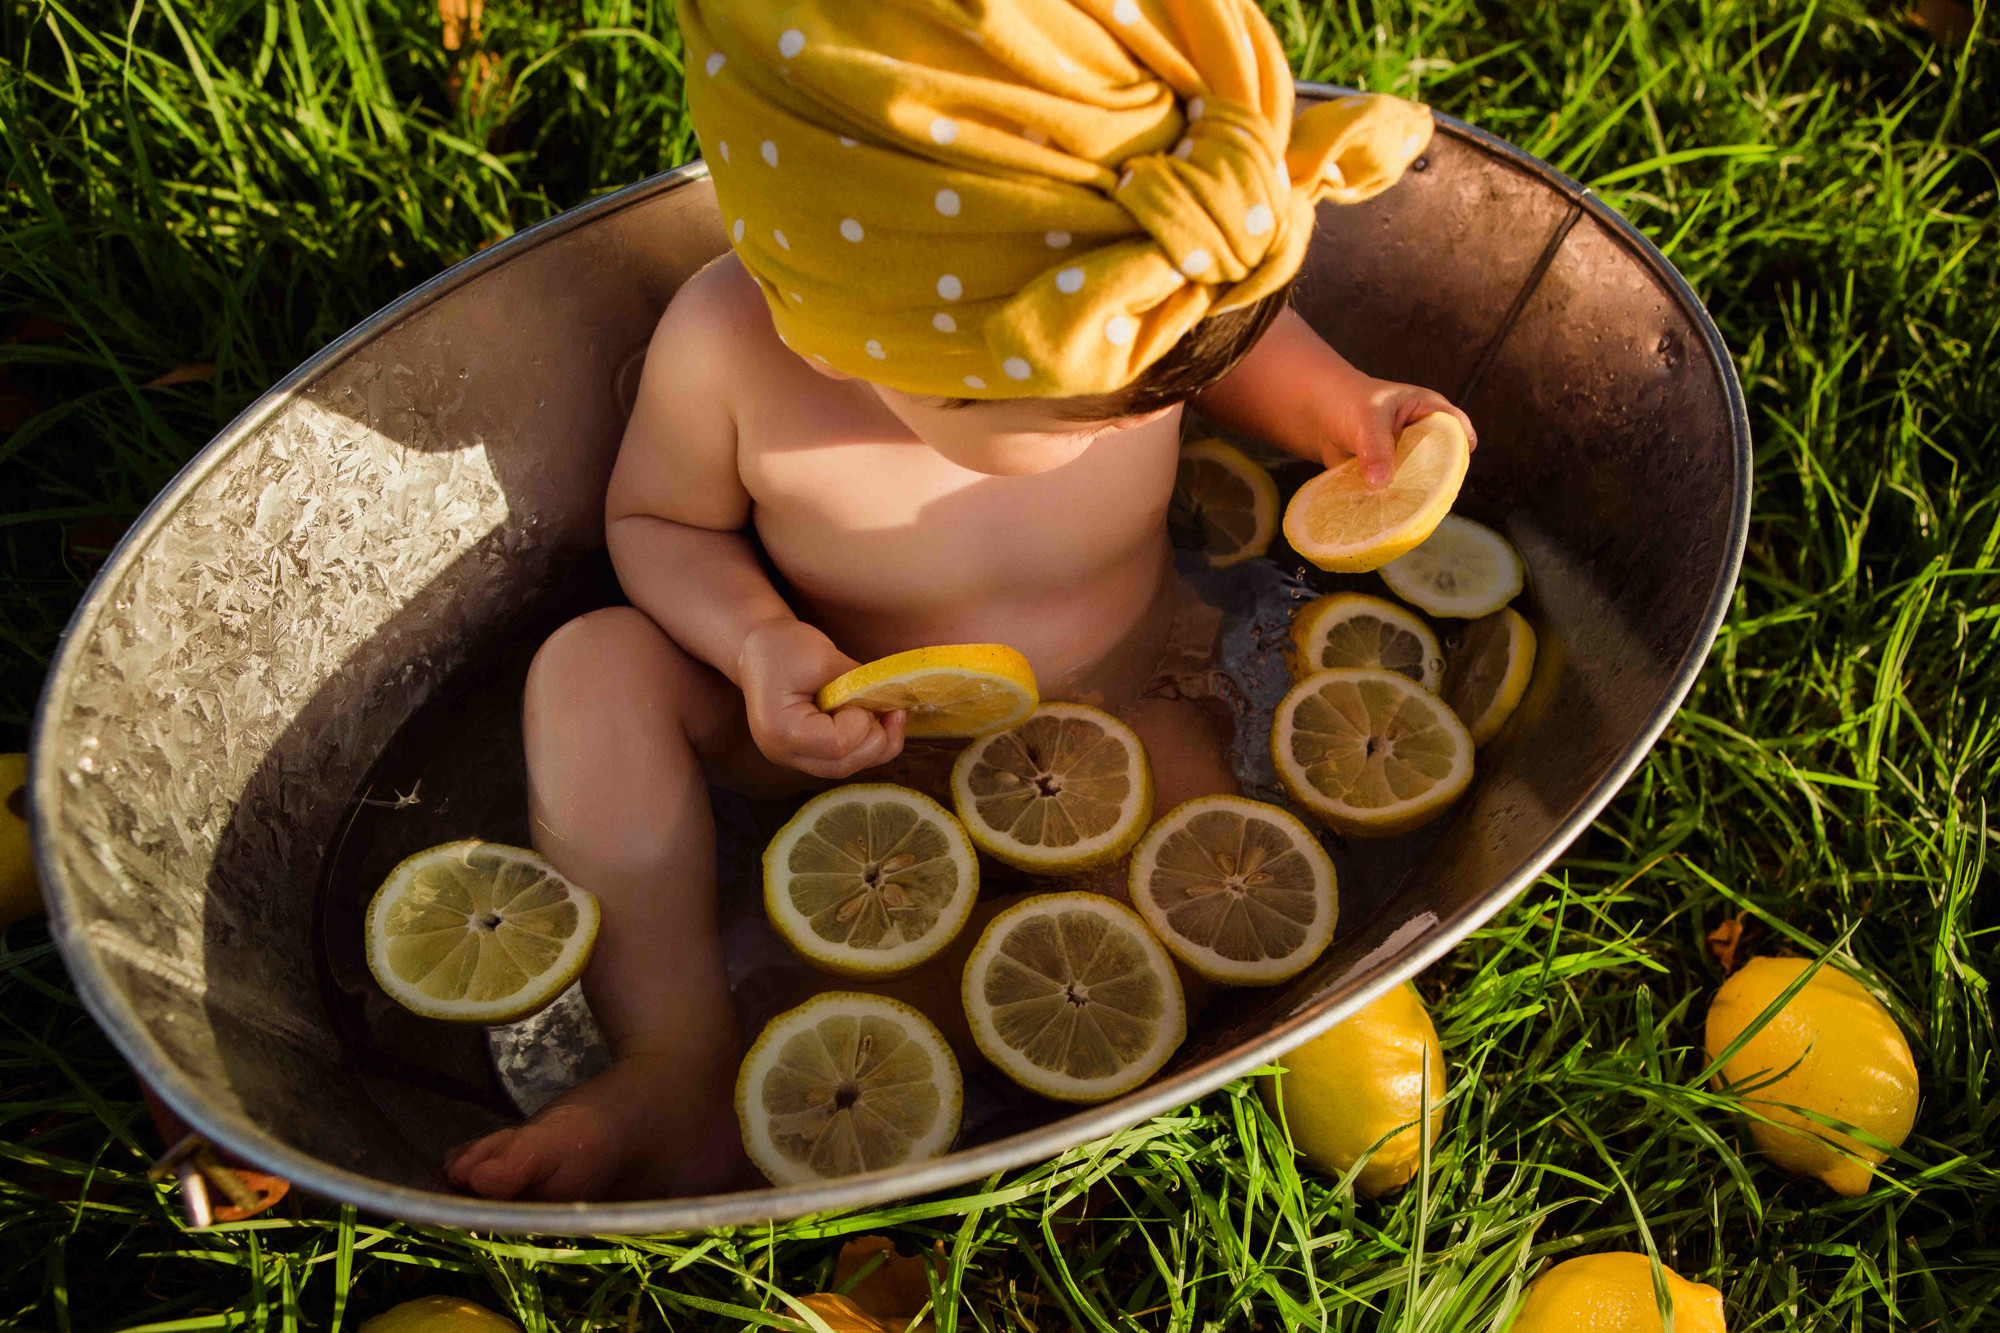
[(417, 488)]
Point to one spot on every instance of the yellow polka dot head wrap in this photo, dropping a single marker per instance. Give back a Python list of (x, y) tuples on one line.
[(1017, 198)]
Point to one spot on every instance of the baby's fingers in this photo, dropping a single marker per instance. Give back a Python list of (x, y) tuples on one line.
[(846, 742)]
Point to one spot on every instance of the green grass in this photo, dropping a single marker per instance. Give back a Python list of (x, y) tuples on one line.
[(230, 183)]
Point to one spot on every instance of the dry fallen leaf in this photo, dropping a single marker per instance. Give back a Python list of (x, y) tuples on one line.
[(885, 1299), (461, 20), (1947, 20), (1723, 942), (187, 374)]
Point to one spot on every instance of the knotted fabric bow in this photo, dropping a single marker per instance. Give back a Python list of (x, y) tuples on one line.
[(1017, 198)]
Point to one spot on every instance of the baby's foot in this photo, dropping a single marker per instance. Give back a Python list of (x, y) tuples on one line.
[(630, 1133)]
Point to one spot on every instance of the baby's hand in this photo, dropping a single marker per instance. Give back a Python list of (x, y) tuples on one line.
[(782, 665), (1371, 420)]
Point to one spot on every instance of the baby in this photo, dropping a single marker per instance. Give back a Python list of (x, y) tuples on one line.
[(984, 255)]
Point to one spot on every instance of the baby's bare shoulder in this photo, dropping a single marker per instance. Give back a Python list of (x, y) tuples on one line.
[(717, 321)]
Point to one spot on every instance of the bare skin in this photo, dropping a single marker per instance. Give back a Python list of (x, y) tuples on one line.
[(897, 522)]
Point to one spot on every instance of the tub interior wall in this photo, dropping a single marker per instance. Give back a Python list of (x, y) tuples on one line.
[(420, 499)]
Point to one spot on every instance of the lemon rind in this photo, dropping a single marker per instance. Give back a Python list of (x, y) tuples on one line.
[(1499, 710), (782, 1171), (995, 663), (1418, 595), (1208, 964), (786, 921), (1312, 618), (1396, 820), (569, 964), (1382, 547), (1034, 1078), (1102, 850), (1264, 490)]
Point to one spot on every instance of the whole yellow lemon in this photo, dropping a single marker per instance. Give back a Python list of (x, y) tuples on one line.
[(20, 894), (1343, 1090), (1847, 1060), (1613, 1293), (439, 1314)]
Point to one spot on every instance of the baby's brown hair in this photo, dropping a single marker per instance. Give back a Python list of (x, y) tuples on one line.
[(1206, 353)]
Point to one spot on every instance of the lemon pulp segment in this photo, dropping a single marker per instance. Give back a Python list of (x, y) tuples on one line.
[(1238, 890), (1833, 1049), (1066, 790), (1229, 498), (1352, 629), (1336, 522), (967, 689), (477, 932), (1071, 996), (1489, 672), (870, 880), (1463, 569), (1369, 752), (846, 1083)]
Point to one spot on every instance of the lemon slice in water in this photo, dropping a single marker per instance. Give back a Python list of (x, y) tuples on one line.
[(1238, 890), (1371, 753), (477, 932), (1352, 629), (1229, 498), (870, 880), (1336, 522), (846, 1083), (1463, 569), (1067, 790), (1072, 997), (1490, 670), (966, 689)]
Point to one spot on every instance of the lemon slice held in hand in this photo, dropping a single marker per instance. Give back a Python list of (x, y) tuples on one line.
[(870, 880), (966, 689), (1370, 753), (1352, 629), (1336, 522), (847, 1083), (1071, 997), (1463, 569), (1067, 790), (1228, 497), (1489, 672), (1238, 890), (478, 932)]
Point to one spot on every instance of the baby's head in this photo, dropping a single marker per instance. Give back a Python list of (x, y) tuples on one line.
[(1011, 437), (1022, 222)]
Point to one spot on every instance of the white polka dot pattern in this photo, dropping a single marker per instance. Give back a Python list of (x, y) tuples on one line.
[(947, 202), (943, 130), (1257, 219), (716, 60), (949, 287), (1057, 240), (770, 152), (850, 229), (791, 42), (974, 382), (1069, 281), (944, 323), (1126, 11), (1120, 329), (1016, 368), (874, 349)]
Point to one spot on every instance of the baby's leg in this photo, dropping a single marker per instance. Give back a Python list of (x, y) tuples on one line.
[(620, 724)]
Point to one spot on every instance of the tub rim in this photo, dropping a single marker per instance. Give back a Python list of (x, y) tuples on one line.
[(134, 1041)]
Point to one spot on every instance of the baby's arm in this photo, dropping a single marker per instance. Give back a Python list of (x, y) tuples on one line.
[(1294, 391), (674, 518)]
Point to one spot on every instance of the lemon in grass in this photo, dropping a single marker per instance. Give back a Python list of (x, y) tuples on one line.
[(870, 880), (966, 689), (478, 932), (1489, 672), (1067, 790), (1071, 996), (1352, 629), (1370, 753), (1339, 524), (1613, 1293), (847, 1083), (1463, 569), (1227, 499), (1238, 890)]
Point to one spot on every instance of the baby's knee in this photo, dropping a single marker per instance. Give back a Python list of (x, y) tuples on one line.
[(615, 657)]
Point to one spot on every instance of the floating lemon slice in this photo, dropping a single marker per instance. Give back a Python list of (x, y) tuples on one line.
[(1336, 522), (1352, 629), (1463, 569), (966, 689), (846, 1083), (1489, 672), (1072, 997), (1230, 498), (870, 880), (1370, 752), (1238, 890), (477, 932), (1067, 790)]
